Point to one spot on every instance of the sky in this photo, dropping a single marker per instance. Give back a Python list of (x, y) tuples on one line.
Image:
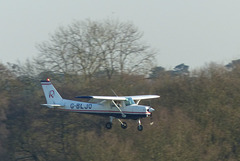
[(193, 32)]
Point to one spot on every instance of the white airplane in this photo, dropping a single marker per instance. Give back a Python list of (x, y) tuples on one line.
[(122, 107)]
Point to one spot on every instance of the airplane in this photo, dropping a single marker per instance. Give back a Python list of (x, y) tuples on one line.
[(120, 107)]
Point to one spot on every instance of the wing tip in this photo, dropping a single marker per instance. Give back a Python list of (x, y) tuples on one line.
[(47, 80)]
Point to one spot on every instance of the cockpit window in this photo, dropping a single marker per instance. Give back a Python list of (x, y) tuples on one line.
[(129, 101)]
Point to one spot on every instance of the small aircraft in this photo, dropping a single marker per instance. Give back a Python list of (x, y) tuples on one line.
[(120, 107)]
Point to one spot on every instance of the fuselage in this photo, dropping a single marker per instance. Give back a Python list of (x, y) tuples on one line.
[(121, 107), (132, 111)]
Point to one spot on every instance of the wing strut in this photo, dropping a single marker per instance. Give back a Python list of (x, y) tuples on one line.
[(123, 115), (138, 102)]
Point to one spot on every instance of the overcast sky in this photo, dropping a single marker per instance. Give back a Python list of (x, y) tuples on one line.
[(194, 32)]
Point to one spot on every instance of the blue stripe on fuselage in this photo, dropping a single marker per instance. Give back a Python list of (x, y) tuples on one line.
[(117, 114)]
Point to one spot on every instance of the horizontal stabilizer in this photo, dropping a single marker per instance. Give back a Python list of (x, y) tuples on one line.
[(52, 105)]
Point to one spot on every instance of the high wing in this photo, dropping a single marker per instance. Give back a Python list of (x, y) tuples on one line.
[(120, 98), (142, 97), (115, 98)]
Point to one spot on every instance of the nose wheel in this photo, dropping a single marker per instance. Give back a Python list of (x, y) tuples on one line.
[(140, 127)]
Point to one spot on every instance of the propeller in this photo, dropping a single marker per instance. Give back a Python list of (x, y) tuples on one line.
[(151, 118), (151, 110)]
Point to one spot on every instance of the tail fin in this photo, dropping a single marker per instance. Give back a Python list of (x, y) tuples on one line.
[(51, 94)]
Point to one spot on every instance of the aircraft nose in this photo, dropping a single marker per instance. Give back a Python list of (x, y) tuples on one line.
[(151, 109)]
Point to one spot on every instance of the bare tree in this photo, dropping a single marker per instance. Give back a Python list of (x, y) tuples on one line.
[(87, 47)]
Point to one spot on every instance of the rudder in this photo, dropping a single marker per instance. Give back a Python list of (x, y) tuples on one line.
[(51, 94)]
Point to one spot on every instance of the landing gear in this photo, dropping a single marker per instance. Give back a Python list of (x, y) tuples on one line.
[(140, 127), (124, 125), (109, 124)]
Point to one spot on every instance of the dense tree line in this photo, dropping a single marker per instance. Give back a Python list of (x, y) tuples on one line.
[(196, 118)]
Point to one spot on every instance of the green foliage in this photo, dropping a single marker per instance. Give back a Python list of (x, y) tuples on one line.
[(196, 118)]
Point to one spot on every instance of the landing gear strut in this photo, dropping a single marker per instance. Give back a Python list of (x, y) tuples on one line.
[(123, 124), (140, 127)]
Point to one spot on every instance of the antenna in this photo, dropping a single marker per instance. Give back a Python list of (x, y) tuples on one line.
[(114, 92)]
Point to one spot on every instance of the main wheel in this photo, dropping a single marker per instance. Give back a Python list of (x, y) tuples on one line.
[(108, 125), (124, 125), (140, 127)]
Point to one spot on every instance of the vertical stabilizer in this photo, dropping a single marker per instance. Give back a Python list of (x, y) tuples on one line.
[(51, 94)]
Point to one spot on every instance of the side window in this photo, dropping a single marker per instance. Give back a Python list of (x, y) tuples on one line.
[(118, 103), (112, 105), (127, 102)]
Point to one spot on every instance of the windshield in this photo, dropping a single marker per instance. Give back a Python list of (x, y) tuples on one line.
[(129, 101)]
